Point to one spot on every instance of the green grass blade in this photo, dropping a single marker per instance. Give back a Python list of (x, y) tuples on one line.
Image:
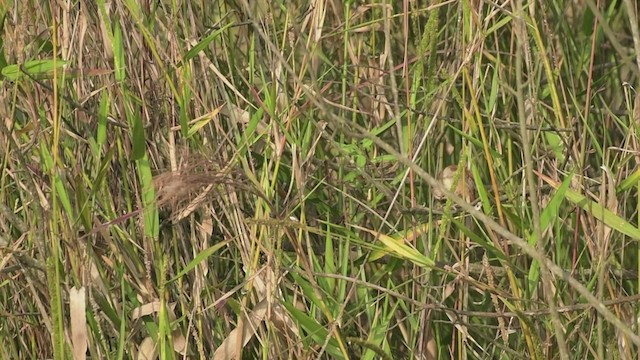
[(400, 249), (202, 256), (204, 43), (316, 331), (597, 210), (629, 182), (39, 69)]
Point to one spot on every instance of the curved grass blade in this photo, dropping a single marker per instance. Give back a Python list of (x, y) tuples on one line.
[(400, 249), (547, 219), (597, 210), (202, 256), (315, 330), (38, 69), (629, 182)]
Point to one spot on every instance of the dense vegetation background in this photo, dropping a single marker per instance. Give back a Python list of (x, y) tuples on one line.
[(319, 179)]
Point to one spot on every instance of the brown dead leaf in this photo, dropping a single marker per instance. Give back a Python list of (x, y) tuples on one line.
[(147, 350), (229, 347), (179, 342), (151, 308), (78, 314), (283, 321)]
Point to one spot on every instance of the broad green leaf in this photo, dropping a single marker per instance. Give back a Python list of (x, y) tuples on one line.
[(482, 191), (556, 145), (150, 213), (61, 191), (493, 94), (596, 210), (202, 256), (138, 142), (399, 248), (202, 121), (498, 25), (629, 182), (118, 54), (134, 9), (186, 99), (101, 134), (486, 245), (204, 43), (534, 275), (330, 266), (377, 131), (3, 14), (105, 167), (477, 142), (252, 125), (550, 213), (379, 330), (316, 331), (307, 290), (547, 218), (39, 69)]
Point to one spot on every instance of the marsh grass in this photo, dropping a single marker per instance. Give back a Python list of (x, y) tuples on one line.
[(240, 179)]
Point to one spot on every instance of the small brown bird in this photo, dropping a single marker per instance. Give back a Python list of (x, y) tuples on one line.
[(464, 189)]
